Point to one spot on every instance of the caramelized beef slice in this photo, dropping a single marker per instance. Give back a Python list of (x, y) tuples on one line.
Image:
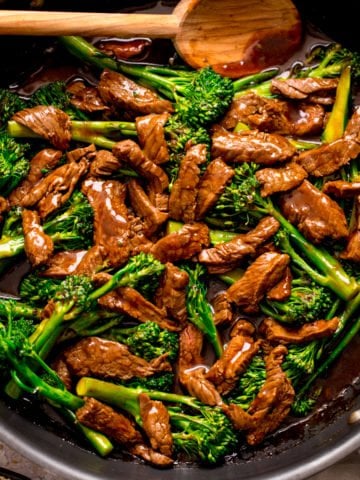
[(282, 290), (152, 217), (111, 229), (341, 188), (138, 240), (182, 200), (151, 135), (94, 356), (306, 88), (260, 277), (38, 246), (226, 256), (129, 301), (183, 244), (151, 456), (211, 186), (156, 424), (49, 122), (62, 370), (125, 94), (46, 159), (250, 146), (92, 261), (282, 179), (315, 214), (104, 164), (88, 153), (223, 314), (352, 249), (63, 263), (86, 98), (125, 49), (171, 293), (278, 333)]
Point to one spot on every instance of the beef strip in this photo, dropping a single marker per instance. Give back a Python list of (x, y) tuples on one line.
[(239, 351), (62, 370), (260, 277), (171, 293), (52, 191), (104, 164), (190, 367), (125, 94), (130, 153), (46, 159), (278, 333), (152, 217), (92, 261), (282, 179), (94, 356), (182, 200), (129, 301), (341, 188), (282, 290), (138, 241), (352, 249), (49, 122), (223, 313), (80, 153), (63, 263), (224, 257), (183, 244), (38, 246), (306, 88), (111, 228), (211, 186), (149, 455), (151, 135), (315, 214), (156, 424), (275, 116), (86, 98), (125, 49), (250, 146)]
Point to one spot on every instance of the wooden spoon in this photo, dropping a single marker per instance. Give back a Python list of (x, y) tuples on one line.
[(235, 37)]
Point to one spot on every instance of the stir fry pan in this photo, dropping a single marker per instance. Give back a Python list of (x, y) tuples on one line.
[(300, 448)]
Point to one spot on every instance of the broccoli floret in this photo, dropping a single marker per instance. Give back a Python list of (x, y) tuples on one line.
[(333, 59), (163, 382), (10, 103), (38, 290), (14, 166), (147, 340)]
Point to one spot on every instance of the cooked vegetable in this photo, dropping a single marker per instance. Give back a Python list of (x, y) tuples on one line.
[(14, 163)]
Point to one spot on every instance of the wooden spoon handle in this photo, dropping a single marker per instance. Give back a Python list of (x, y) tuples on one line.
[(87, 24)]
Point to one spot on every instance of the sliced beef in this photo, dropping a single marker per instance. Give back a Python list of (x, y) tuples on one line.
[(129, 301), (63, 263), (94, 356), (282, 179), (138, 240), (223, 313), (311, 89), (93, 261), (250, 146), (239, 351), (88, 153), (260, 277), (151, 135), (315, 214), (49, 122), (341, 188), (38, 246), (171, 293), (275, 332), (183, 244), (352, 249), (51, 192), (86, 98), (111, 229), (223, 257), (125, 94), (125, 49), (282, 290), (275, 116), (104, 164), (156, 459), (62, 370), (156, 424), (46, 159), (152, 217), (182, 200), (211, 186)]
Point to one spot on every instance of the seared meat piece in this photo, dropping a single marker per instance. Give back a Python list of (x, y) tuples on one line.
[(93, 261), (111, 229), (311, 89), (61, 368), (275, 180), (352, 250), (104, 164), (56, 188), (103, 418), (212, 184), (250, 146), (151, 135), (38, 246), (86, 98), (260, 277), (190, 369), (226, 256), (316, 215), (183, 244), (278, 333), (341, 188), (88, 153), (4, 207), (140, 202), (182, 200), (225, 372), (275, 116), (63, 263), (125, 48), (282, 290), (129, 152), (171, 293), (156, 424), (94, 356), (116, 89), (129, 301), (138, 241), (149, 455), (49, 122), (222, 309), (46, 159)]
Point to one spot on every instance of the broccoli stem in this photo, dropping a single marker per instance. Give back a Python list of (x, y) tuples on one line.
[(216, 236)]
